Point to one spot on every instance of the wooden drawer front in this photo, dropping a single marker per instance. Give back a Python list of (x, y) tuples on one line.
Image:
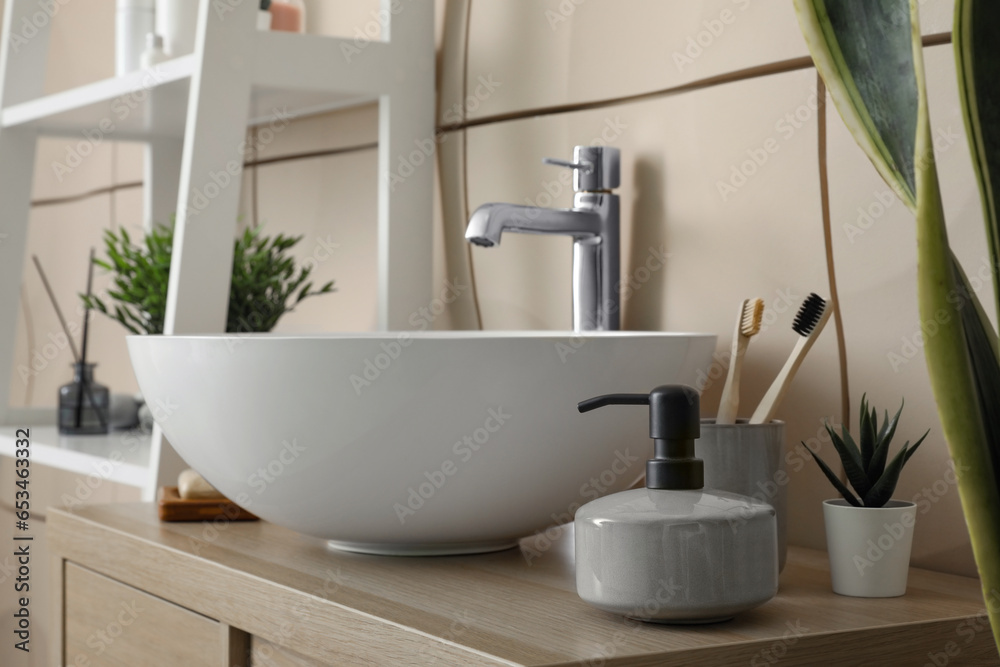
[(265, 654), (111, 624)]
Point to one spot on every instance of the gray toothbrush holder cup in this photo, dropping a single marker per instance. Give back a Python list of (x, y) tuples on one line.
[(748, 459)]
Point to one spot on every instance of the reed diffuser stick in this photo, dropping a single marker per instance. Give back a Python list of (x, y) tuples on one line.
[(55, 305), (83, 343), (65, 328)]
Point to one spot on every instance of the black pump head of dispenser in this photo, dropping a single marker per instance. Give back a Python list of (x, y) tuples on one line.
[(674, 425)]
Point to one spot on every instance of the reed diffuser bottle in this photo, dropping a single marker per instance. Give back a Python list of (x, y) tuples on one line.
[(83, 404)]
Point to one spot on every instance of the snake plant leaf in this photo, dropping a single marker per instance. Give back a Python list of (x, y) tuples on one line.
[(976, 29), (962, 351), (834, 479), (957, 364), (981, 346), (851, 37), (982, 121)]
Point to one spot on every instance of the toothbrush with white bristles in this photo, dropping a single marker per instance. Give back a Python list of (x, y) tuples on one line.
[(747, 325), (809, 322)]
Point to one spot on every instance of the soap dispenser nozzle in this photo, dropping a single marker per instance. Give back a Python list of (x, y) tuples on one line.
[(674, 425)]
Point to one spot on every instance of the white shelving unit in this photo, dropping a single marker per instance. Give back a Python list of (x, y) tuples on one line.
[(121, 457), (193, 112)]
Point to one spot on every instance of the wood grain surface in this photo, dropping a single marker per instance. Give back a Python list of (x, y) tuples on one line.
[(517, 607), (108, 623)]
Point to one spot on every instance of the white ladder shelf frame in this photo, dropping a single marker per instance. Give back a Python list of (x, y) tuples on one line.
[(232, 60)]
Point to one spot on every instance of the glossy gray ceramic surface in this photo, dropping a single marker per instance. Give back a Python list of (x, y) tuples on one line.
[(676, 556), (748, 459)]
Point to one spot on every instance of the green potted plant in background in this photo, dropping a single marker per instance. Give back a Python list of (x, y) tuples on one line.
[(870, 55), (868, 534), (266, 282)]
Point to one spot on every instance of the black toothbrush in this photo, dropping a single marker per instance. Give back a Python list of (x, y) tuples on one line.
[(809, 322)]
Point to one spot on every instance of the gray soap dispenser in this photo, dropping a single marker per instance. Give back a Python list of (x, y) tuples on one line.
[(674, 552)]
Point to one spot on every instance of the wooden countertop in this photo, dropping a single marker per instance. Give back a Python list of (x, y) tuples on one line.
[(517, 607)]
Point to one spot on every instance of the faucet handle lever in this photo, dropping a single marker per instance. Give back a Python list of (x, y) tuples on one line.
[(595, 168), (585, 167)]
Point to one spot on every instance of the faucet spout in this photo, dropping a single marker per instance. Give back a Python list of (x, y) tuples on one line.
[(490, 221), (593, 225)]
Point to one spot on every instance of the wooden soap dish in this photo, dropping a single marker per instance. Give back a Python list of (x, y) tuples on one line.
[(174, 508)]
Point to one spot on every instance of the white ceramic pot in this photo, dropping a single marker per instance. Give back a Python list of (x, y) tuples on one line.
[(869, 547)]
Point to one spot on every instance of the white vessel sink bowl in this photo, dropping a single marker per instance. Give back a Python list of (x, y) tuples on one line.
[(426, 443)]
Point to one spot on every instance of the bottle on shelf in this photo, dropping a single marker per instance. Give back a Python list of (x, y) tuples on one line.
[(288, 15), (83, 404), (133, 20), (264, 15), (177, 23), (154, 53)]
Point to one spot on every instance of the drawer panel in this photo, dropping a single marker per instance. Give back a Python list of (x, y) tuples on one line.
[(109, 624), (265, 654)]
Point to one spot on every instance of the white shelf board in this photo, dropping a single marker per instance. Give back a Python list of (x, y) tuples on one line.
[(120, 456), (140, 104), (266, 102), (154, 103)]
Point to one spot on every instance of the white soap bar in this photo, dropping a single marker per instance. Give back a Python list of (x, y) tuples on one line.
[(192, 486)]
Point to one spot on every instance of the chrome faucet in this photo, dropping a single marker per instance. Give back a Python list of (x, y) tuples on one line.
[(593, 224)]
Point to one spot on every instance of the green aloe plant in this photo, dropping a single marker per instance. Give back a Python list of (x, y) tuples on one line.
[(868, 468), (870, 55), (266, 283)]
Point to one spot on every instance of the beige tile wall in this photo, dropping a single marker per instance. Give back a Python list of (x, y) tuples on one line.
[(765, 239), (551, 52), (520, 61)]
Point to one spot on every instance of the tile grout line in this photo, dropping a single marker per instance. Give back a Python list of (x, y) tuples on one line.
[(292, 157), (734, 76), (780, 67), (68, 199), (824, 190)]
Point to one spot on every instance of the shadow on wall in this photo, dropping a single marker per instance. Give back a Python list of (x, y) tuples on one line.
[(643, 277)]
